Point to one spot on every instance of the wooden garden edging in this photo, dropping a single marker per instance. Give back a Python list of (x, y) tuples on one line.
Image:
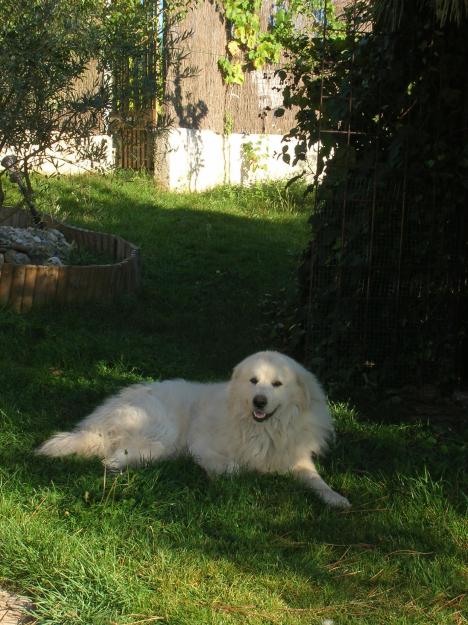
[(25, 286)]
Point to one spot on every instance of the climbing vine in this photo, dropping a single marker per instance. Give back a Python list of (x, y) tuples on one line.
[(252, 46), (249, 45)]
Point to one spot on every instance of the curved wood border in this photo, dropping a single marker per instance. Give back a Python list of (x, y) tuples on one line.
[(23, 287)]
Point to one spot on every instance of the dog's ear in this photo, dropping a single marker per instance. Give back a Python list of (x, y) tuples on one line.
[(315, 404), (235, 372), (311, 390), (233, 395)]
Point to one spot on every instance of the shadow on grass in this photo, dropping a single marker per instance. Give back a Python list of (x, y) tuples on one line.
[(206, 274), (200, 309)]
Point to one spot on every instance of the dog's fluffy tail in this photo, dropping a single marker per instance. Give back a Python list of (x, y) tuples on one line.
[(81, 442)]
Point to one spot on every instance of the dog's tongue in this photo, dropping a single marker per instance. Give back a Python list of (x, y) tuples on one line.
[(259, 414)]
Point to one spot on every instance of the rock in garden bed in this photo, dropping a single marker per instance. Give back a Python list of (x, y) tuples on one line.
[(33, 246), (61, 264)]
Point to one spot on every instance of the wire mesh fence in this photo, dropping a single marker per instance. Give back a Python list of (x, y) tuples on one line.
[(385, 280)]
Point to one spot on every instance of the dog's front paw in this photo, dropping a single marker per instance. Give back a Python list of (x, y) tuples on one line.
[(335, 500)]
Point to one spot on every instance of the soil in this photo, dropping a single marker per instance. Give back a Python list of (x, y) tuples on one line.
[(14, 609)]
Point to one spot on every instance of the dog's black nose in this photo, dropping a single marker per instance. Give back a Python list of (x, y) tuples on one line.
[(260, 401)]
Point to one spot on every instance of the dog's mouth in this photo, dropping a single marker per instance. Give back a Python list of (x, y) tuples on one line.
[(261, 415)]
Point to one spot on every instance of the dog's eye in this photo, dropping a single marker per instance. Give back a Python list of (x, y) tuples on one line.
[(254, 380), (277, 383)]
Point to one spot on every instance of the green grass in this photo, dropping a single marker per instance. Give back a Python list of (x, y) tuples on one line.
[(165, 544)]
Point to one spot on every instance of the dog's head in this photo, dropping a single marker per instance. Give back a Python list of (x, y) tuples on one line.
[(268, 384)]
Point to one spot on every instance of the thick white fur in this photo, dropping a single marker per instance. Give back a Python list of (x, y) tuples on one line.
[(215, 424)]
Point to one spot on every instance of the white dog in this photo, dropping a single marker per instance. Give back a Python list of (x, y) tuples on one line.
[(271, 417)]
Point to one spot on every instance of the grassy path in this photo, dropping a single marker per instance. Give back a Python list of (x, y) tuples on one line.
[(164, 544)]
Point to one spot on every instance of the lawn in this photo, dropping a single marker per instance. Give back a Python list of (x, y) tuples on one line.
[(164, 544)]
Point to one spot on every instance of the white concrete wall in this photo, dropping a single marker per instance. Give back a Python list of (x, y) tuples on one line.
[(67, 161), (200, 159), (195, 160), (73, 164)]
